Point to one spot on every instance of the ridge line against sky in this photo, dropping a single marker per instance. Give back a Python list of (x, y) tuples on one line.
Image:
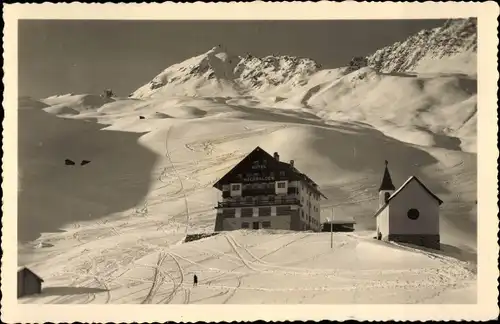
[(85, 56)]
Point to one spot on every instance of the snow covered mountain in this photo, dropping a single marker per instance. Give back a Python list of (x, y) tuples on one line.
[(449, 48), (217, 72), (425, 85), (155, 155), (200, 75)]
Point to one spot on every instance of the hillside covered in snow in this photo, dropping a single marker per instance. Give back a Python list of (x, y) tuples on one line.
[(451, 48), (217, 72), (112, 230)]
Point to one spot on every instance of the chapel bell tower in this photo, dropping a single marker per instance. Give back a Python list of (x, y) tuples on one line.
[(386, 187)]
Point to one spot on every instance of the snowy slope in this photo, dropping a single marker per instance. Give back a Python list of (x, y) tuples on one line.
[(429, 110), (260, 267), (155, 155), (111, 218)]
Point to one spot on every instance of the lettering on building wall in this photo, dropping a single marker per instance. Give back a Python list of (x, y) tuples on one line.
[(258, 178), (257, 166)]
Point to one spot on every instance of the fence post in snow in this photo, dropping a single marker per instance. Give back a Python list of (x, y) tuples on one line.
[(330, 220)]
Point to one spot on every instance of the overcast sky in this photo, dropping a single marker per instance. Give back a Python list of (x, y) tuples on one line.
[(57, 57)]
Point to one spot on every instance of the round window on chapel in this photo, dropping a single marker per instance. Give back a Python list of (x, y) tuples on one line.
[(413, 214)]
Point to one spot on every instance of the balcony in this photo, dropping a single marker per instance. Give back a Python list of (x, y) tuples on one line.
[(260, 192), (259, 202)]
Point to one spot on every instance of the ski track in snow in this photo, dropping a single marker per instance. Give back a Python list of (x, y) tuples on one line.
[(258, 265), (167, 154), (157, 280)]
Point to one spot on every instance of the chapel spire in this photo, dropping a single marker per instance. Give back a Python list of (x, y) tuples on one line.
[(386, 180)]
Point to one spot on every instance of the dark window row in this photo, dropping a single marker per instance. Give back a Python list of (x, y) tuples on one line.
[(256, 225)]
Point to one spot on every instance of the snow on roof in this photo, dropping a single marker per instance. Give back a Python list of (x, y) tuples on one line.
[(401, 188), (313, 186), (24, 268)]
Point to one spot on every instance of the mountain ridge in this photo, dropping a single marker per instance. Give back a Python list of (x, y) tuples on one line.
[(218, 70), (454, 37)]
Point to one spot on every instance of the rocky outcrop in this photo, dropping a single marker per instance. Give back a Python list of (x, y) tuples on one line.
[(69, 162), (357, 63), (108, 93), (254, 72), (455, 37), (195, 237)]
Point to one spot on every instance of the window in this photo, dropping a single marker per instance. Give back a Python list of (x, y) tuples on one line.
[(229, 213), (266, 224), (281, 184), (282, 173), (386, 197), (245, 225), (282, 211), (235, 187), (265, 211), (246, 212), (413, 214)]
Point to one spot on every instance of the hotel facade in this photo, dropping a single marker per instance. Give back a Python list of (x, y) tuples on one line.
[(263, 192)]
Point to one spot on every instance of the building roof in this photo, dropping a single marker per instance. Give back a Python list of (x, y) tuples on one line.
[(410, 179), (303, 177), (282, 165), (386, 180), (24, 268)]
